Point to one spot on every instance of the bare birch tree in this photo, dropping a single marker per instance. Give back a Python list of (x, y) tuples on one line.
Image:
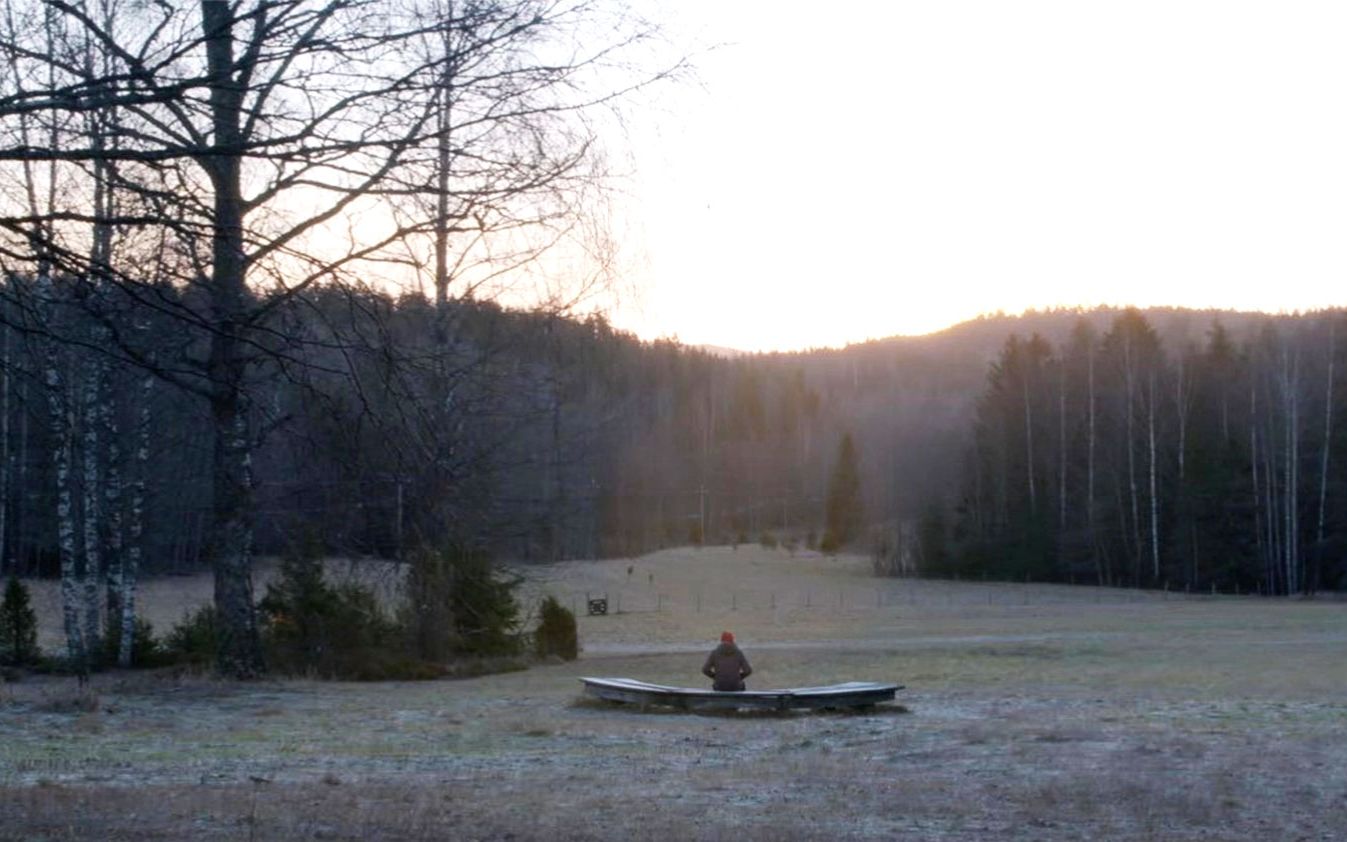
[(253, 133)]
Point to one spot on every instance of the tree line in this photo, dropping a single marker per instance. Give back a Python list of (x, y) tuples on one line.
[(1111, 458)]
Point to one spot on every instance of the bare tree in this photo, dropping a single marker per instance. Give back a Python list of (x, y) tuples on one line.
[(251, 135)]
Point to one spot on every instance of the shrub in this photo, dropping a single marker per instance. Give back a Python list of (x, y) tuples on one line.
[(18, 626), (556, 633), (386, 664), (830, 544), (695, 536), (146, 651), (459, 603), (312, 627), (767, 540), (195, 639)]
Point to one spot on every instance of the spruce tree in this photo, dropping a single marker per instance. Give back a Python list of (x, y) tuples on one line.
[(844, 511), (18, 626)]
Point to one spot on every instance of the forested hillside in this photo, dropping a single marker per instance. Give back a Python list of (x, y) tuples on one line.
[(1158, 448), (1129, 456)]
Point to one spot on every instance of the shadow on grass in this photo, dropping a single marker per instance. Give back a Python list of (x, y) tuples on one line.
[(591, 703)]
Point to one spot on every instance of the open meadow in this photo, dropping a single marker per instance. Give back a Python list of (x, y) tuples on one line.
[(1031, 712)]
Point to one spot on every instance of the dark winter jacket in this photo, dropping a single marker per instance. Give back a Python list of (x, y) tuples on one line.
[(727, 666)]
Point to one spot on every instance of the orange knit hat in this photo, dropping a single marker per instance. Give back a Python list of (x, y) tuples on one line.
[(726, 637)]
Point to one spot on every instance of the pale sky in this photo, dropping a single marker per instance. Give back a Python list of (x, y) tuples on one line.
[(853, 171)]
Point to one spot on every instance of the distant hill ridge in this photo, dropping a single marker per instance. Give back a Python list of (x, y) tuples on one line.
[(984, 335)]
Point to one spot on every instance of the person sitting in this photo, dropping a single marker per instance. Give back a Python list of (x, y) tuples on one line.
[(726, 666)]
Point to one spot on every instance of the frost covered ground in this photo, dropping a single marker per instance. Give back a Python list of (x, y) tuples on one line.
[(1030, 713)]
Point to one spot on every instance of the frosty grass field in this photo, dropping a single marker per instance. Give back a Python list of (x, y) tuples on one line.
[(1031, 712)]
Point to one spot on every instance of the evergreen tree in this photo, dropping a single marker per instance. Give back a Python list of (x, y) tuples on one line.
[(556, 633), (933, 541), (460, 603), (18, 626), (844, 512)]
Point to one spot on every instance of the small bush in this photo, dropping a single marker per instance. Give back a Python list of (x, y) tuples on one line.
[(195, 639), (312, 627), (830, 544), (385, 664), (18, 626), (146, 650), (556, 633), (767, 540), (459, 603)]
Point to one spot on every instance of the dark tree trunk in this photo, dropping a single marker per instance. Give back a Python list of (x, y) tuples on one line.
[(240, 650)]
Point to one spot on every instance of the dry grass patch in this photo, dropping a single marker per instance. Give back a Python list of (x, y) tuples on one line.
[(1031, 713), (66, 699)]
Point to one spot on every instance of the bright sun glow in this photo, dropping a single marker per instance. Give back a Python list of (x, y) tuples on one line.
[(870, 170)]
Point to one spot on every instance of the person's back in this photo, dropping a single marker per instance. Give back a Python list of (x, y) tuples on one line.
[(726, 666)]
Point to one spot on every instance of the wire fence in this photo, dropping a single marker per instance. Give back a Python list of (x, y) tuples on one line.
[(882, 596)]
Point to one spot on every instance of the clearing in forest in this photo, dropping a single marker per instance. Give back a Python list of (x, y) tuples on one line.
[(1031, 712)]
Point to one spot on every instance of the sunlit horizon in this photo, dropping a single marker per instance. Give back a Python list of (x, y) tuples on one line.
[(740, 347), (944, 161)]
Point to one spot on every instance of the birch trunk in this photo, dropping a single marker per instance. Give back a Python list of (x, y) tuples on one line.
[(114, 560), (1029, 440), (92, 508), (61, 433), (1089, 474), (1288, 557), (20, 518), (1155, 502), (1271, 495), (1253, 468), (1061, 447), (1181, 401), (1328, 438), (1290, 394), (131, 567), (1129, 377)]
